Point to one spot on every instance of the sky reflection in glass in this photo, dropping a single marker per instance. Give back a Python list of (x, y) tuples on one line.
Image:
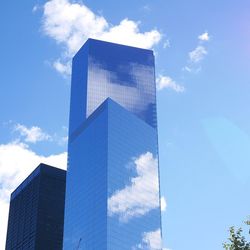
[(112, 197)]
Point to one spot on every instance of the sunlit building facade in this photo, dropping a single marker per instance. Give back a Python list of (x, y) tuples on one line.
[(112, 190)]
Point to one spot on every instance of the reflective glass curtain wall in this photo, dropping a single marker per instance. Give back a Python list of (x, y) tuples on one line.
[(36, 213), (112, 193)]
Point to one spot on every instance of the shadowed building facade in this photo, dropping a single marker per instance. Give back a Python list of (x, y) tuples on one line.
[(112, 191), (36, 213)]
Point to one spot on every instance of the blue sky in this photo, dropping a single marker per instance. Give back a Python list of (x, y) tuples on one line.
[(202, 51)]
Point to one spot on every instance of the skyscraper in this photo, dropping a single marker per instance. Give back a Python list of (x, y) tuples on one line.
[(112, 191), (36, 213)]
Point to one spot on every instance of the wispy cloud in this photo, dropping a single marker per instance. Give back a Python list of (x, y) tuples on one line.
[(192, 69), (63, 68), (197, 55), (35, 134), (13, 170), (166, 44), (163, 82), (146, 8), (35, 8), (204, 37), (71, 24), (141, 195), (32, 134)]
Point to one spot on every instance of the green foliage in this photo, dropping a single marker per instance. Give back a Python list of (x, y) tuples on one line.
[(236, 240)]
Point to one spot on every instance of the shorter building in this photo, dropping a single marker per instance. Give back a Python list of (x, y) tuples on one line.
[(36, 214)]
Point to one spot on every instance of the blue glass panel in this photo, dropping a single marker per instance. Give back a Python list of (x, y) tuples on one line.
[(112, 197), (78, 89), (125, 74), (133, 183), (86, 196)]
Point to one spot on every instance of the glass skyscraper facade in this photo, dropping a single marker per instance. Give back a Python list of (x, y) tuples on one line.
[(36, 213), (112, 190)]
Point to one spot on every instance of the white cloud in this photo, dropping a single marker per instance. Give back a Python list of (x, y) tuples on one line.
[(197, 54), (141, 195), (187, 68), (192, 69), (33, 134), (71, 24), (4, 208), (146, 8), (127, 33), (17, 161), (35, 8), (163, 204), (150, 241), (60, 140), (163, 82), (166, 44), (204, 37), (63, 68)]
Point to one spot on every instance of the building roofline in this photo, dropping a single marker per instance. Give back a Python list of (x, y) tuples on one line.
[(39, 169)]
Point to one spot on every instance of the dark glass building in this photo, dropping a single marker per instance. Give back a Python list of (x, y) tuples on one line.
[(36, 213), (112, 191)]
